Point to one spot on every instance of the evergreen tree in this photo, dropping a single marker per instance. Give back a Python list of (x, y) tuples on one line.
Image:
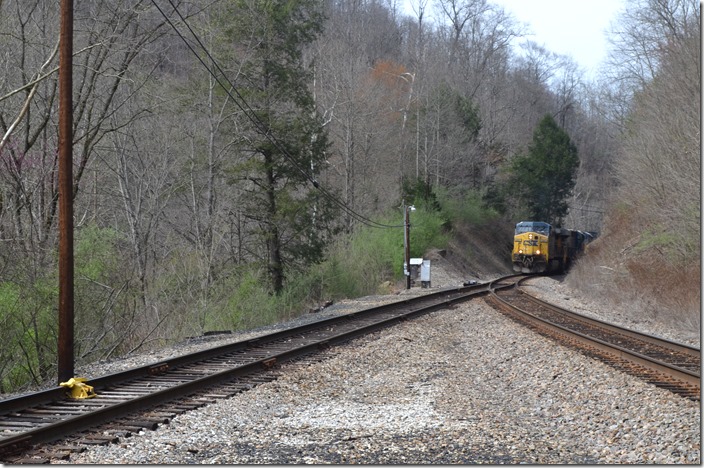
[(542, 180), (285, 146)]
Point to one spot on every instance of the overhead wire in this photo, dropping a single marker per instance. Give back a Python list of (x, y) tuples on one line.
[(254, 118), (587, 209)]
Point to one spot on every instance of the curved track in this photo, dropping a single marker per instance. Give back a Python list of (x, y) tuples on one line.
[(49, 416), (47, 425), (667, 364)]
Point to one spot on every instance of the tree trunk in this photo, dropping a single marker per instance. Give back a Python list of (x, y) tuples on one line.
[(273, 241)]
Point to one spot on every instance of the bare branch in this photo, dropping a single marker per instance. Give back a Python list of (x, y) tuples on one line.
[(34, 84)]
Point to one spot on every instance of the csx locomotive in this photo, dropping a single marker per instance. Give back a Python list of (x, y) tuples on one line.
[(541, 248)]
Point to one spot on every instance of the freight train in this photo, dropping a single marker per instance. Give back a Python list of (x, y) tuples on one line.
[(541, 248)]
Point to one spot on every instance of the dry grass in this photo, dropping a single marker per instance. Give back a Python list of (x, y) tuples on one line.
[(644, 283)]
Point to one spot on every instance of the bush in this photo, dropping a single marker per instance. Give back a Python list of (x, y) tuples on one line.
[(28, 334), (251, 305), (360, 265), (468, 208)]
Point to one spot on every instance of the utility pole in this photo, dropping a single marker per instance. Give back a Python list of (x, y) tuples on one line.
[(65, 167), (407, 242)]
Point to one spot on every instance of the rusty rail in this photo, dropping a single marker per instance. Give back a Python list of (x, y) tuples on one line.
[(49, 416), (665, 363)]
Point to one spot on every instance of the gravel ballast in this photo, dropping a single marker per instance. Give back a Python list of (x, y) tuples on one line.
[(464, 385)]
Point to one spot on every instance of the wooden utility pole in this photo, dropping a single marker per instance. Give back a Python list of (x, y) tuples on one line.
[(407, 243), (65, 346)]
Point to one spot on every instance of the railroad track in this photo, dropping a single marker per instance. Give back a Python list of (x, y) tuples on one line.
[(46, 425), (664, 363)]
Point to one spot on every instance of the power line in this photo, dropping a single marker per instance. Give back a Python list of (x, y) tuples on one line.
[(252, 116), (587, 209)]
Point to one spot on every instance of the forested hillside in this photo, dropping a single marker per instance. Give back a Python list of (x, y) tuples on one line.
[(232, 157), (649, 255)]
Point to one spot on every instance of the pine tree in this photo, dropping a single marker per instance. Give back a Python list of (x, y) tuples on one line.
[(285, 146), (542, 180)]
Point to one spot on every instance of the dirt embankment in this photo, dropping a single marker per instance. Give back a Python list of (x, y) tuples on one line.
[(480, 252), (603, 283)]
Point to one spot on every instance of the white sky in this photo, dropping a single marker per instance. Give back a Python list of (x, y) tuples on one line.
[(569, 27)]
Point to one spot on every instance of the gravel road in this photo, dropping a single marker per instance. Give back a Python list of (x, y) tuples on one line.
[(501, 396)]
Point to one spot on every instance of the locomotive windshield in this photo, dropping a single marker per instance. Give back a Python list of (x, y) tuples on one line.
[(533, 226)]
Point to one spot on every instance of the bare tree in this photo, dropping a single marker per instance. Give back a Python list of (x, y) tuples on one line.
[(363, 104), (658, 78), (109, 38)]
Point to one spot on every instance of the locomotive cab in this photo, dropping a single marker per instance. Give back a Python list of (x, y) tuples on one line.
[(539, 247), (531, 247)]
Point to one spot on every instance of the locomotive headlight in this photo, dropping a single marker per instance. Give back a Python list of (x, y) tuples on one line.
[(520, 251), (537, 252), (530, 236)]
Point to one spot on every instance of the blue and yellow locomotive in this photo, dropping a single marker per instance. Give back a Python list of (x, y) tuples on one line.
[(539, 247)]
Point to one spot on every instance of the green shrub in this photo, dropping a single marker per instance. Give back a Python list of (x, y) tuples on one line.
[(9, 330), (358, 266), (467, 208), (28, 334), (251, 304), (96, 256)]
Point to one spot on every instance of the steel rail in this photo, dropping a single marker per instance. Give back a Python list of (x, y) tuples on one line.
[(687, 376), (371, 319), (23, 401), (652, 339)]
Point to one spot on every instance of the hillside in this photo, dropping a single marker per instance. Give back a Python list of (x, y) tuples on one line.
[(478, 252), (209, 201), (609, 282)]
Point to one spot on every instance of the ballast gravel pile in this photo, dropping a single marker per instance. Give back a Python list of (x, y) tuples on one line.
[(459, 386)]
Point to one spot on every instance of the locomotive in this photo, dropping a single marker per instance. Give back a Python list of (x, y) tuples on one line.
[(539, 247)]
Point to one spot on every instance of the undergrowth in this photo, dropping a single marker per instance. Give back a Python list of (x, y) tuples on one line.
[(368, 261)]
